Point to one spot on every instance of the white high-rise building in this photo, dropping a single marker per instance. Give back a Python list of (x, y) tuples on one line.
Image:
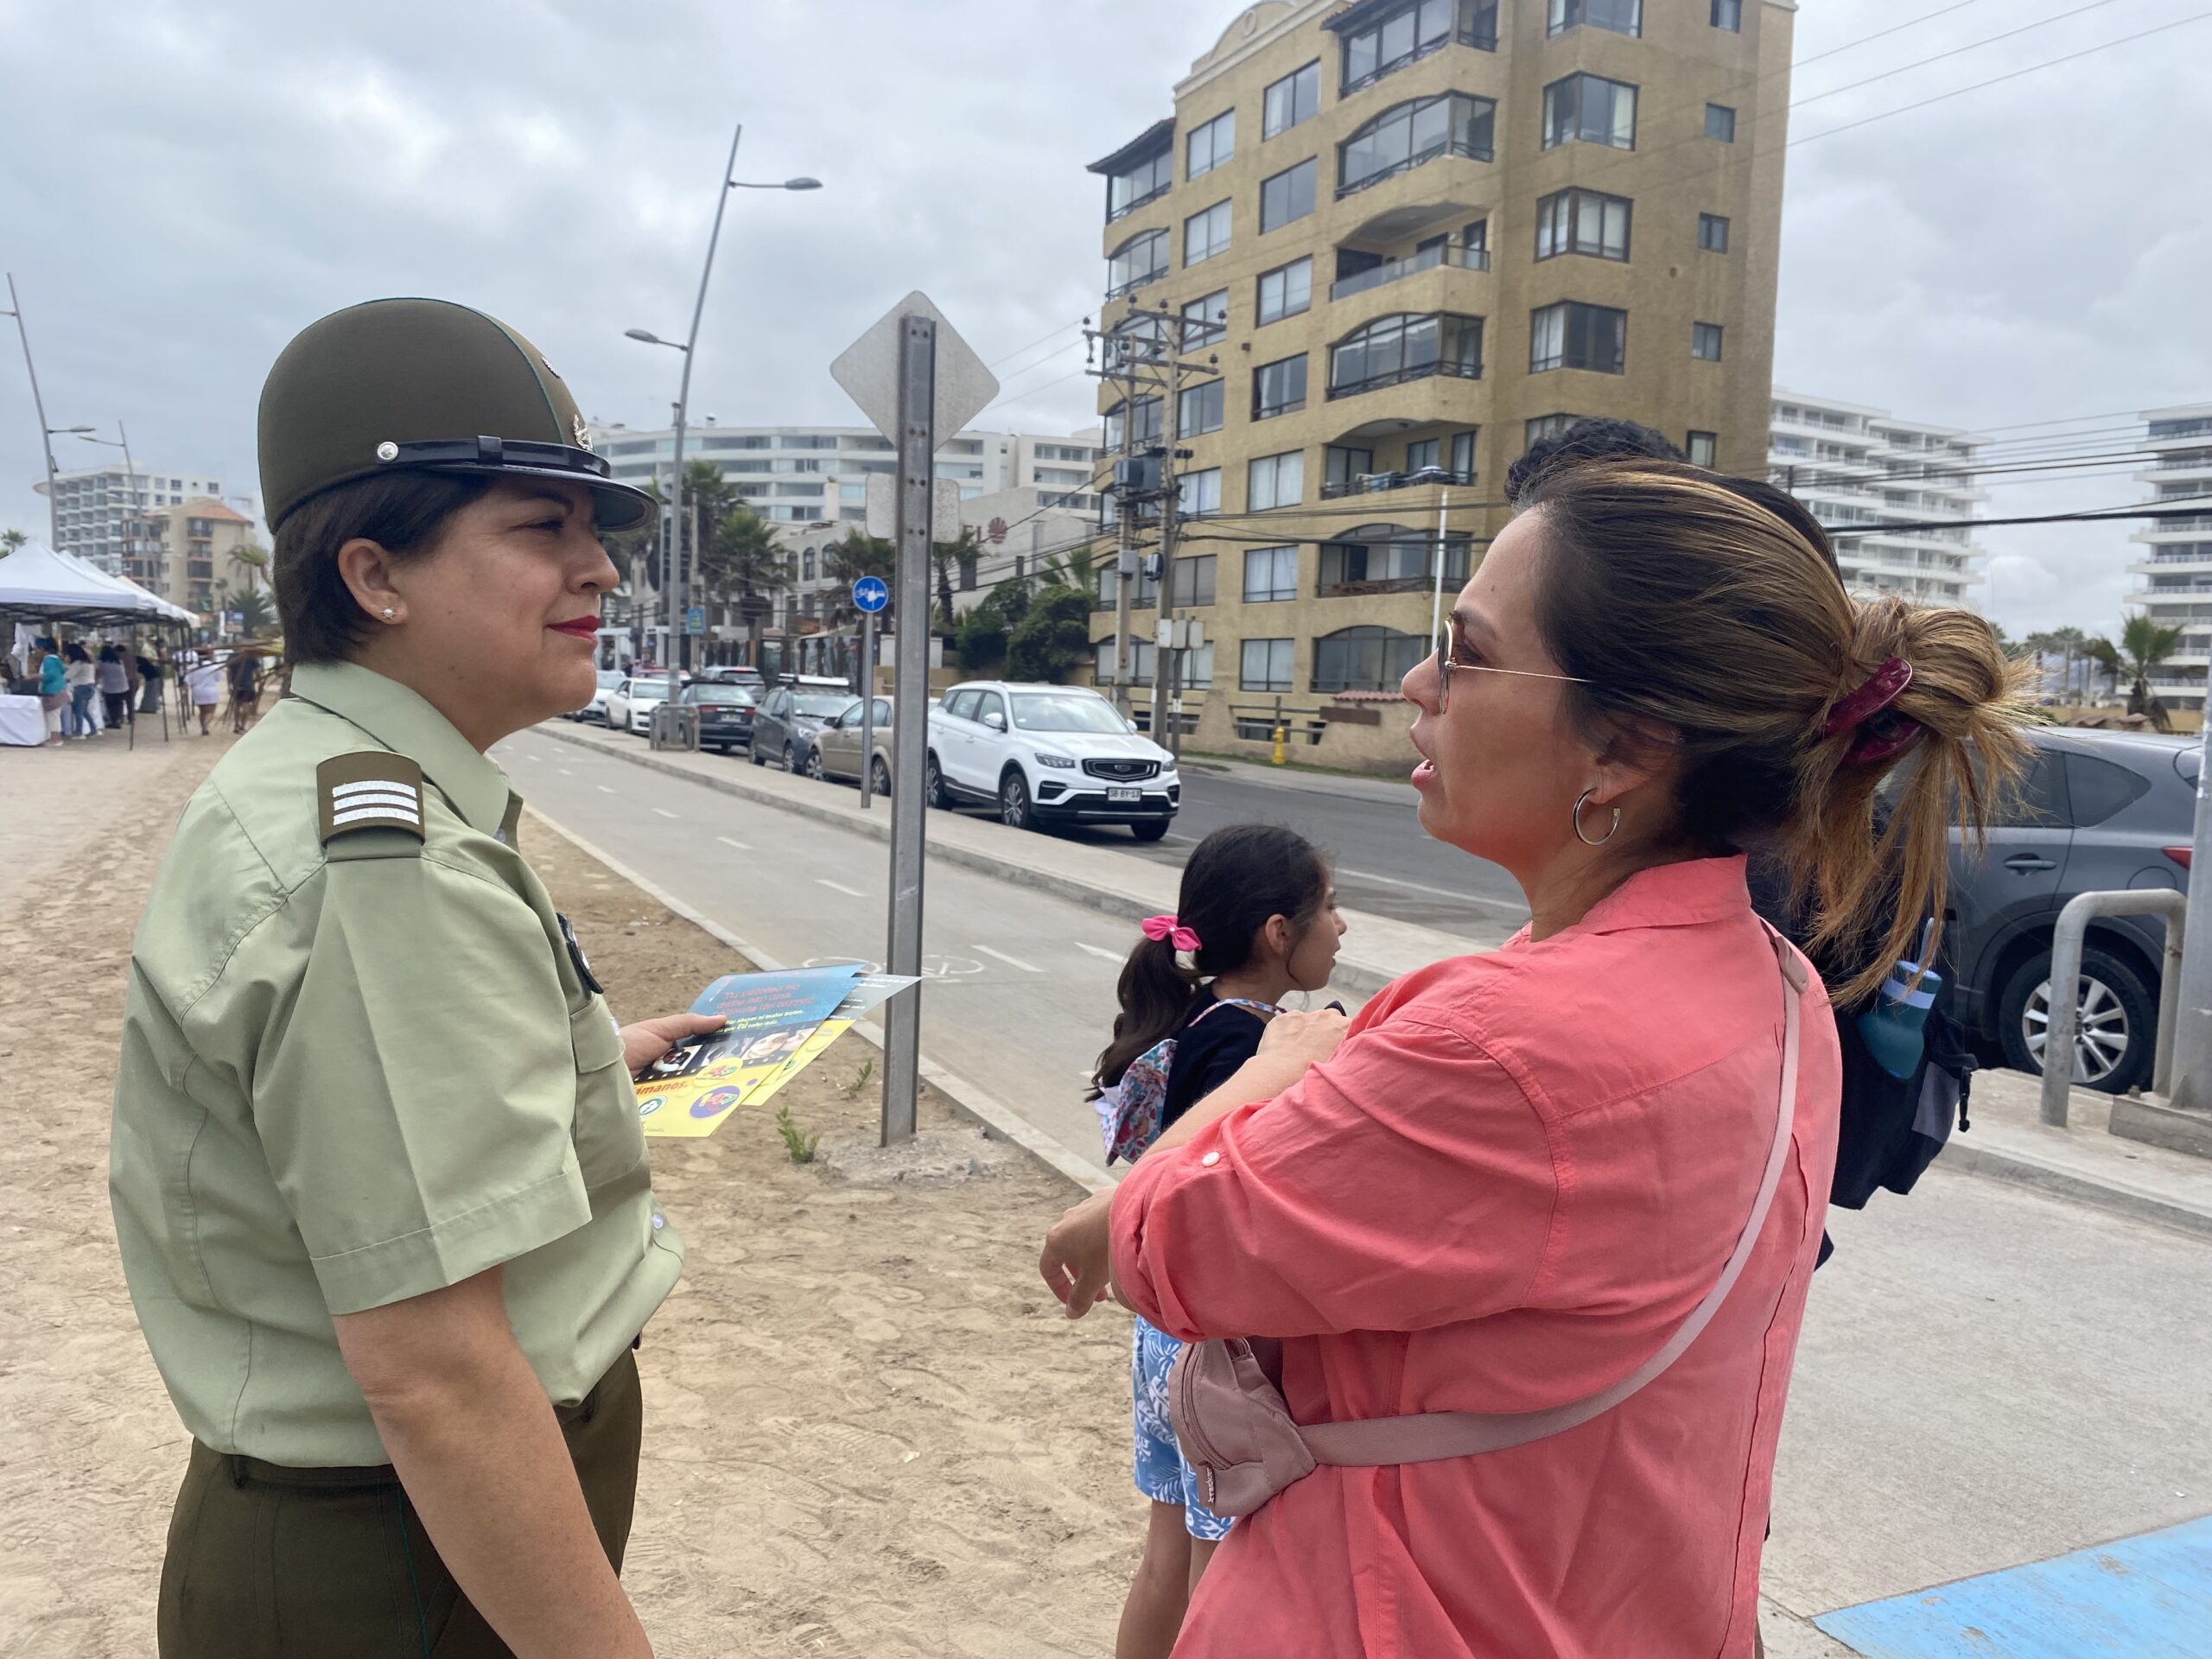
[(96, 509), (1855, 466), (2176, 564)]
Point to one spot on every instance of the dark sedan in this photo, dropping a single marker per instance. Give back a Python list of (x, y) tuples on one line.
[(725, 715)]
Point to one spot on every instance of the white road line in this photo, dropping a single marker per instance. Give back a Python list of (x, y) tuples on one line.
[(1011, 961), (740, 845), (604, 789), (564, 772), (838, 887), (1510, 908), (1096, 951), (663, 811)]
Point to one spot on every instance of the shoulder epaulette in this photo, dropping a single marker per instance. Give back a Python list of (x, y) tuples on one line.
[(372, 789)]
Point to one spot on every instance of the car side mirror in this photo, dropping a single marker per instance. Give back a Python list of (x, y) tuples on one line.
[(995, 720)]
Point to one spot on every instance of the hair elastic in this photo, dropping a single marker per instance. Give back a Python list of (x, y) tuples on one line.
[(1172, 931)]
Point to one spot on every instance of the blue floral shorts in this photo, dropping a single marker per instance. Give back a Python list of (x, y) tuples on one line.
[(1163, 1474)]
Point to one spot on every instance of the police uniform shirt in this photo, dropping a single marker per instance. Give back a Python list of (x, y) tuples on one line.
[(361, 1063)]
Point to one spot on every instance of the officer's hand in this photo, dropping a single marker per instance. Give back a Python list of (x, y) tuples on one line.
[(648, 1041), (1077, 1259), (1304, 1039)]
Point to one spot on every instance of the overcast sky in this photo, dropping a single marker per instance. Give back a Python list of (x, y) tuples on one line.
[(183, 186)]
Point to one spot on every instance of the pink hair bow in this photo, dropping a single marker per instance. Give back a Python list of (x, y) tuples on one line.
[(1173, 931)]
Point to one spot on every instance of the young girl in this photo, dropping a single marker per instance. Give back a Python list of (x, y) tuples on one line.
[(1256, 919)]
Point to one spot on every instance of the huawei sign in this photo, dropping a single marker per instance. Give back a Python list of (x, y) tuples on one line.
[(997, 531)]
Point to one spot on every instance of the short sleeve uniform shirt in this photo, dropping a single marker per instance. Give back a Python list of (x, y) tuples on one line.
[(358, 1072)]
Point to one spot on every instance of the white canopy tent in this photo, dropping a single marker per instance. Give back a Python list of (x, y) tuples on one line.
[(40, 588)]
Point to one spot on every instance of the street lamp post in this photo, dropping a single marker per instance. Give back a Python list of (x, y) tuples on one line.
[(672, 564), (52, 490)]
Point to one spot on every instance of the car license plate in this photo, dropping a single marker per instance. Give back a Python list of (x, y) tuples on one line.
[(1123, 797)]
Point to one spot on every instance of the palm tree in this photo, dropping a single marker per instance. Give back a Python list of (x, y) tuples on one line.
[(743, 562), (2103, 657), (2143, 645), (2070, 643), (10, 540), (2040, 645), (960, 552), (255, 559)]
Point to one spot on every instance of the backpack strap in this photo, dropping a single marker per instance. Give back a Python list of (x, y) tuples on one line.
[(1265, 1010), (1425, 1437)]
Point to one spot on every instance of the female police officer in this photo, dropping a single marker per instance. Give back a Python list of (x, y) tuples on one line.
[(378, 1184)]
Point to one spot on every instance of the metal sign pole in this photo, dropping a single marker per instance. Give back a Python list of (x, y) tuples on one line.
[(916, 445), (2192, 1039), (867, 710)]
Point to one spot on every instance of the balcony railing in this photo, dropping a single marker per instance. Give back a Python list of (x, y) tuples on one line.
[(1399, 377), (1480, 32), (1135, 283), (1419, 158), (2196, 463), (2182, 556), (1368, 483), (1391, 270), (2186, 521), (1363, 587)]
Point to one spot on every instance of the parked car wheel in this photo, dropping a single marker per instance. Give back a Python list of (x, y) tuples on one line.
[(759, 759), (790, 759), (2114, 1041), (879, 778), (1151, 831), (1014, 809), (812, 767), (933, 786)]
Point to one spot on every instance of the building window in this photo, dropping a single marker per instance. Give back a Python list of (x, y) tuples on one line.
[(1405, 347), (1134, 340), (1193, 579), (1590, 110), (1720, 123), (1265, 665), (1270, 574), (1728, 15), (1205, 320), (1366, 659), (1622, 17), (1705, 341), (1582, 221), (1423, 453), (1199, 493), (967, 564), (1341, 469), (1141, 259), (1409, 134), (1286, 290), (1571, 335), (1288, 195), (1411, 33), (1275, 481), (1712, 233), (1211, 145), (1463, 457), (1295, 98), (1704, 448), (1387, 559), (806, 564), (1279, 388), (1205, 234), (1145, 180), (1198, 409)]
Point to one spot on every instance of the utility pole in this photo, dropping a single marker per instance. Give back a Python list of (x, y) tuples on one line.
[(1169, 735)]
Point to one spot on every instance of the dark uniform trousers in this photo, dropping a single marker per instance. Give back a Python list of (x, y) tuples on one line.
[(267, 1563)]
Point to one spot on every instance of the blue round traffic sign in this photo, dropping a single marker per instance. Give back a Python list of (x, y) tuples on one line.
[(870, 594)]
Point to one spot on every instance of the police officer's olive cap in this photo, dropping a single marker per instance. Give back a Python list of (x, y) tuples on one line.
[(425, 385)]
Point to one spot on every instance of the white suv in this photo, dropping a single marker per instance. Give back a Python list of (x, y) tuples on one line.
[(1048, 754)]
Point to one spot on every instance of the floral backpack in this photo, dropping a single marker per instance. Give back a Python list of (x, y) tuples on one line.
[(1129, 1112)]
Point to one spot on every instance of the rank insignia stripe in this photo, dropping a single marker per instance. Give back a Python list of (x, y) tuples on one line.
[(372, 789)]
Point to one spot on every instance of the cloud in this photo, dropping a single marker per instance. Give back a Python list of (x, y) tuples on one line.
[(189, 186)]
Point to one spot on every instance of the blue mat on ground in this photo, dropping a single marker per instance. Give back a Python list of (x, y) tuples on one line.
[(2148, 1597)]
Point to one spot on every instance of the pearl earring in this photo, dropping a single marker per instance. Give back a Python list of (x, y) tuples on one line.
[(387, 612)]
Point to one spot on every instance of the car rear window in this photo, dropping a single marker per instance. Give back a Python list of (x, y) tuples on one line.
[(2100, 788), (2040, 801)]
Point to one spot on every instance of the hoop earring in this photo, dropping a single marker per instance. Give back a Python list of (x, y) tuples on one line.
[(1610, 829)]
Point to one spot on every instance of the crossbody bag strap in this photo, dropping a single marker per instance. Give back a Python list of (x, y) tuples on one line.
[(1425, 1437)]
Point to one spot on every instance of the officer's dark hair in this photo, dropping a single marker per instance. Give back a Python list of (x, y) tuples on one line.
[(1591, 438), (404, 513)]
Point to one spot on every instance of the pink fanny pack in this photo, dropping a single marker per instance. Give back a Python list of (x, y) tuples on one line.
[(1226, 1396)]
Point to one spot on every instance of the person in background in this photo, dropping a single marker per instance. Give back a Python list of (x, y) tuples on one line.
[(245, 680), (1257, 918), (52, 691), (82, 679), (114, 683), (1515, 1179), (150, 682), (205, 681)]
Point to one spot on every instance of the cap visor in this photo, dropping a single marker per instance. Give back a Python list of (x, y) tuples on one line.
[(615, 505)]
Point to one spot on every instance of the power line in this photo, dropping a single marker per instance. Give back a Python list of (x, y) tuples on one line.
[(1953, 52), (1895, 28), (1034, 344)]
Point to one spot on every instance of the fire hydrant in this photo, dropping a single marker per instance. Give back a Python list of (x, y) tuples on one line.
[(1281, 759)]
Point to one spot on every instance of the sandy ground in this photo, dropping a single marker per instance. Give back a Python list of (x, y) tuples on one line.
[(868, 1431)]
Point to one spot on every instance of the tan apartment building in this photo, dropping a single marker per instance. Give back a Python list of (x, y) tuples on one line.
[(1396, 242), (185, 553)]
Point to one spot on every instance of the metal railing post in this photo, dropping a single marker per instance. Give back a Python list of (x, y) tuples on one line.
[(2067, 941)]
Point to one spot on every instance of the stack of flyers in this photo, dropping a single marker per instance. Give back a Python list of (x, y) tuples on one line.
[(775, 1026)]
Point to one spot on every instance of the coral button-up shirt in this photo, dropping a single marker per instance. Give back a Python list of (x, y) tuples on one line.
[(1518, 1174)]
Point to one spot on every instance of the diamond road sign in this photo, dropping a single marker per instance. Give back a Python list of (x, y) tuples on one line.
[(868, 371)]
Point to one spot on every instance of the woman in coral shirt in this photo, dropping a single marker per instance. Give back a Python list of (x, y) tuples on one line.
[(1505, 1184)]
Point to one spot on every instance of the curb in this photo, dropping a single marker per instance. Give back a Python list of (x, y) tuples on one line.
[(1352, 974), (977, 1105), (2040, 1177)]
